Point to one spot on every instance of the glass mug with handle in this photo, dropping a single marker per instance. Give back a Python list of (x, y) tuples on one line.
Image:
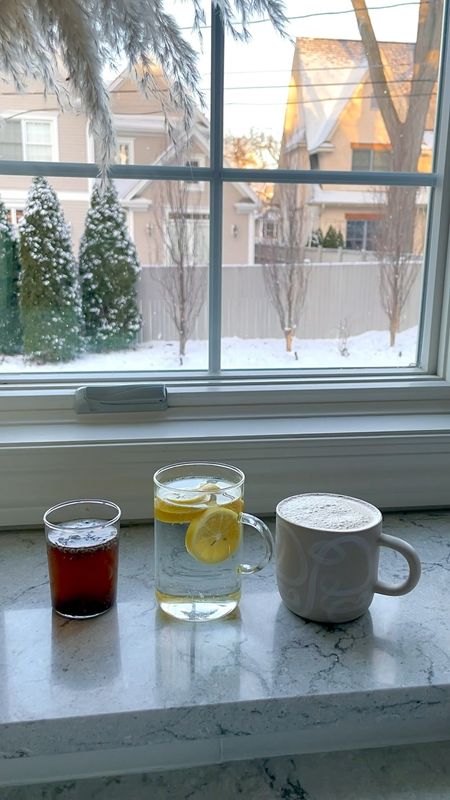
[(199, 519)]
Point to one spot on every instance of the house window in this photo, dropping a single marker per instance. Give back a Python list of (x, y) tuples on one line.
[(361, 234), (14, 215), (188, 239), (26, 140), (125, 151), (370, 159), (37, 143), (314, 160), (269, 229), (193, 184), (11, 140)]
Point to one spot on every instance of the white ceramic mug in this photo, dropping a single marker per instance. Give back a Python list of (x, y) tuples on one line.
[(327, 548)]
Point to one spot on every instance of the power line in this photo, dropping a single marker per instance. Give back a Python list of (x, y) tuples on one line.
[(408, 64), (323, 13), (346, 11), (326, 99), (237, 103), (243, 88), (326, 85)]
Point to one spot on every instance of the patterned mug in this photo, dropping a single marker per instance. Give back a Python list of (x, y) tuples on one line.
[(327, 551)]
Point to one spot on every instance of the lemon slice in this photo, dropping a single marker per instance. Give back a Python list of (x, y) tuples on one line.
[(192, 499), (214, 535), (209, 487), (179, 508)]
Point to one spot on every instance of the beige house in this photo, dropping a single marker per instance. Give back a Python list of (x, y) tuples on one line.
[(34, 128), (333, 122)]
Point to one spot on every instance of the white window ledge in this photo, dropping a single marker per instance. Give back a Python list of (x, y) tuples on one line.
[(392, 449)]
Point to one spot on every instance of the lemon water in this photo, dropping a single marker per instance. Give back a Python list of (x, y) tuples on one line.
[(198, 548)]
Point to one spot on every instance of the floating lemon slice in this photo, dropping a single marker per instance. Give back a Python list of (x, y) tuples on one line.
[(177, 507), (209, 487), (214, 535)]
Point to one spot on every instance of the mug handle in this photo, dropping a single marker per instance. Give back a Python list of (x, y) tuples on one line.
[(263, 530), (408, 552)]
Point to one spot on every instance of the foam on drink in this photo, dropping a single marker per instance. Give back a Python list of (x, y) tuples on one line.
[(331, 512)]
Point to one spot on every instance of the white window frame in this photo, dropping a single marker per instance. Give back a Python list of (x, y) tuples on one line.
[(25, 137), (195, 186), (201, 215), (372, 150), (130, 144), (13, 209), (31, 116), (381, 435)]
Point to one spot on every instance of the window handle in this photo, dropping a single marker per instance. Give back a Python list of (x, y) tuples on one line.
[(114, 399)]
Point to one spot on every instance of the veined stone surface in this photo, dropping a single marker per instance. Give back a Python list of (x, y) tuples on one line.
[(419, 772), (135, 691)]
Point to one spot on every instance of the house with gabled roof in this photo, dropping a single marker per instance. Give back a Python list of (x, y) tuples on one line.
[(35, 128), (333, 122)]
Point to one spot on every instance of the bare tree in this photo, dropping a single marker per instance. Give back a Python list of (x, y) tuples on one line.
[(399, 264), (257, 150), (284, 270), (183, 280), (404, 116)]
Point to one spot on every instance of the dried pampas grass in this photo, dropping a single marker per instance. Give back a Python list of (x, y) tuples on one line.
[(84, 36)]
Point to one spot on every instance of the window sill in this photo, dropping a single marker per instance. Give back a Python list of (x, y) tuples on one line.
[(392, 460), (132, 691), (387, 444)]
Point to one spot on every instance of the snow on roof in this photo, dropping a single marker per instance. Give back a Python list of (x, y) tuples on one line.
[(357, 197), (329, 73)]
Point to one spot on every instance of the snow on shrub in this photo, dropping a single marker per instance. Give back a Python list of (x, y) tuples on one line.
[(50, 300), (109, 269), (10, 327)]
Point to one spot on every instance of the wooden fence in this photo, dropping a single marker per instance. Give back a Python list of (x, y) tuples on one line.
[(339, 294)]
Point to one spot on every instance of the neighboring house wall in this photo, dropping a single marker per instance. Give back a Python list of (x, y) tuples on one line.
[(325, 122), (141, 125)]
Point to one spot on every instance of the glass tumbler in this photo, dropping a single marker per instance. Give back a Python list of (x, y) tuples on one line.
[(83, 551), (199, 520)]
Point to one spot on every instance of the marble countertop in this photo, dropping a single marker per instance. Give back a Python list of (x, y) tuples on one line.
[(408, 772), (133, 690)]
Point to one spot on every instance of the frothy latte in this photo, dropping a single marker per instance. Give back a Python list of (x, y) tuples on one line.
[(330, 512)]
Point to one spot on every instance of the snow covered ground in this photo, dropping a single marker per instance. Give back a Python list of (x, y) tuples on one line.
[(370, 349)]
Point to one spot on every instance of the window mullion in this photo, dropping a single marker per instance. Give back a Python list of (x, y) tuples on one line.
[(216, 191), (434, 346)]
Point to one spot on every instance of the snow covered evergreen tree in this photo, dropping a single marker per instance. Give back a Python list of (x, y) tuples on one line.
[(50, 298), (109, 268), (10, 327)]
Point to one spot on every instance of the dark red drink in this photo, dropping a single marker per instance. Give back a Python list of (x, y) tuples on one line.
[(82, 563)]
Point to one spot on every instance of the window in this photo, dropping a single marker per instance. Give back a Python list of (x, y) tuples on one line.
[(361, 234), (261, 395), (27, 140), (188, 234), (193, 163), (270, 229), (14, 215), (371, 159), (125, 151), (11, 140), (37, 141)]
